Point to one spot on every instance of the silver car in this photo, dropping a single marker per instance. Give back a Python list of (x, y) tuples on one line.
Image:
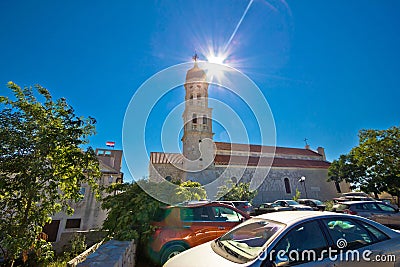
[(294, 205), (373, 210), (292, 238)]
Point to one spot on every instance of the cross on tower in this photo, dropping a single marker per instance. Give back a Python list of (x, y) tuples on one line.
[(305, 140), (195, 57)]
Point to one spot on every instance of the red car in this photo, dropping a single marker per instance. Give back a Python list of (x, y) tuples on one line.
[(182, 227)]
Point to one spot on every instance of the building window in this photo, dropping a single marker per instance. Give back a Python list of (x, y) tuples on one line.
[(194, 119), (51, 229), (287, 186), (204, 120), (73, 223)]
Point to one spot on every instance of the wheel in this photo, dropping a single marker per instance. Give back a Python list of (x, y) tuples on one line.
[(170, 252)]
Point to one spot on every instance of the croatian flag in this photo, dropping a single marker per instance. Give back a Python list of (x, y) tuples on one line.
[(110, 143)]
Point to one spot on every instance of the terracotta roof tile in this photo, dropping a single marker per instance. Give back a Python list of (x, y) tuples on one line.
[(164, 158), (265, 149), (264, 161)]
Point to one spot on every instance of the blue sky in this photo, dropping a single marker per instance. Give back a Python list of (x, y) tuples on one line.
[(326, 68)]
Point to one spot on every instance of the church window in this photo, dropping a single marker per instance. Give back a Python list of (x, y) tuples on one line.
[(194, 119), (287, 186), (191, 96), (204, 120)]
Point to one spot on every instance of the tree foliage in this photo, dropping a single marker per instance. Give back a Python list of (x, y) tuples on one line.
[(239, 191), (297, 195), (374, 165), (41, 165), (131, 211)]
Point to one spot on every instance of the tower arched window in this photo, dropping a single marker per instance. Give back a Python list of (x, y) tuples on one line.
[(287, 186), (194, 118), (205, 120)]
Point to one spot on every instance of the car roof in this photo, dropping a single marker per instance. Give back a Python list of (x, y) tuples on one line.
[(359, 202), (290, 217)]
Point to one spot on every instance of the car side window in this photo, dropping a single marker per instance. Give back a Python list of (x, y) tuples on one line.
[(379, 236), (225, 214), (298, 242), (386, 208), (371, 207), (353, 234), (195, 214)]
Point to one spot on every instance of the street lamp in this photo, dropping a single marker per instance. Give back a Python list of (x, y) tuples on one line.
[(303, 180)]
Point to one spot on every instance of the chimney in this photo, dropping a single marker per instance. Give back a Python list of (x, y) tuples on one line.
[(321, 151)]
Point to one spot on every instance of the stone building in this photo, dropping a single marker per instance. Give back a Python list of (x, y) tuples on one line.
[(88, 214), (278, 170)]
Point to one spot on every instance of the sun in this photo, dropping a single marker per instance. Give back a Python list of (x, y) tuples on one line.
[(216, 59)]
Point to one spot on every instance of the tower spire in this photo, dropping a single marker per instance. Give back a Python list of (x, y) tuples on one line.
[(195, 57)]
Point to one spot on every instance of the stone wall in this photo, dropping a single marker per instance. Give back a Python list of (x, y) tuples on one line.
[(112, 254)]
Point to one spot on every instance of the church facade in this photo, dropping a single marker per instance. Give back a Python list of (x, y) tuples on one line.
[(205, 160)]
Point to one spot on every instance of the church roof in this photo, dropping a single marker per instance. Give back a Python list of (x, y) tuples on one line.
[(243, 160), (196, 74), (266, 161), (265, 149), (163, 158)]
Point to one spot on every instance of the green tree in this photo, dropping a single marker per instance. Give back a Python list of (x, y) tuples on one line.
[(239, 191), (42, 166), (132, 210), (188, 191), (374, 165), (297, 195)]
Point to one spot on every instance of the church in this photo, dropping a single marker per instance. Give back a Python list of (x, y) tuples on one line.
[(278, 170)]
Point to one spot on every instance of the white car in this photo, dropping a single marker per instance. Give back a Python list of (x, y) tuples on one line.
[(292, 238)]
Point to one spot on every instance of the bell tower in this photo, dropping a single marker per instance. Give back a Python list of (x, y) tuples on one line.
[(197, 119)]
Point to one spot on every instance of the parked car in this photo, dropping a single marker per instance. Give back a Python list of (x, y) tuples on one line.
[(244, 206), (292, 204), (315, 204), (373, 210), (287, 238), (352, 198), (269, 207), (181, 227)]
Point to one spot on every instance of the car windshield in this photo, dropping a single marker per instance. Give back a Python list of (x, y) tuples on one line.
[(318, 202), (292, 202), (246, 242)]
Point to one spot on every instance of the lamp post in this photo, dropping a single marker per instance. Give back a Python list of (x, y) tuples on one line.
[(303, 180)]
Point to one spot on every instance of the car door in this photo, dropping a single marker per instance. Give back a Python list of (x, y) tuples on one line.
[(376, 214), (390, 214), (356, 243), (302, 246), (198, 225)]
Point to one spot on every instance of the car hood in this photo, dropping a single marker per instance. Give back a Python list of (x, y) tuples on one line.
[(199, 256)]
